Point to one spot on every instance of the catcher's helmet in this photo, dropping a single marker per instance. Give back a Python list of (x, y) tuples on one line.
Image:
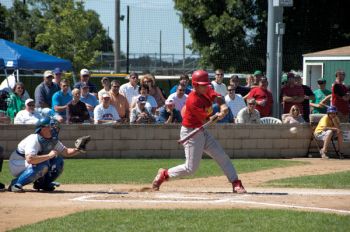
[(47, 121), (200, 77)]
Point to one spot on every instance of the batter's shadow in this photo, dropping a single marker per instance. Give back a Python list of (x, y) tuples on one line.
[(252, 193), (79, 192)]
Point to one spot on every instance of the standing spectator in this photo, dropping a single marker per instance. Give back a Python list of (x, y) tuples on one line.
[(327, 128), (140, 114), (85, 78), (257, 76), (169, 114), (15, 102), (294, 116), (235, 102), (320, 95), (106, 83), (89, 99), (154, 90), (249, 114), (341, 96), (308, 95), (216, 109), (2, 186), (57, 76), (184, 80), (28, 115), (77, 111), (239, 89), (119, 101), (60, 101), (179, 97), (45, 91), (263, 98), (105, 112), (218, 83), (292, 94), (151, 103), (130, 89)]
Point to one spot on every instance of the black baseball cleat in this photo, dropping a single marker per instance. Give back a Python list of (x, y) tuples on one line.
[(47, 188)]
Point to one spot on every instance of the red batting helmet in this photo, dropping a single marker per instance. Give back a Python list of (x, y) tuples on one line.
[(200, 77)]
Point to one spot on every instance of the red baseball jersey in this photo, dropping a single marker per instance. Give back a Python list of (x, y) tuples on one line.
[(199, 108)]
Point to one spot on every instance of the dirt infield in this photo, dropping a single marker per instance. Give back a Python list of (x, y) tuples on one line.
[(215, 192)]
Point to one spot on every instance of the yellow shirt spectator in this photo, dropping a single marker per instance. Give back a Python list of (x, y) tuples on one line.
[(326, 122)]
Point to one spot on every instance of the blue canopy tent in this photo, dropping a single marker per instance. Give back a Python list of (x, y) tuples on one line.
[(19, 57)]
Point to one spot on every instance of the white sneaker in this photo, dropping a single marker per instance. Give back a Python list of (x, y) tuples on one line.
[(323, 154)]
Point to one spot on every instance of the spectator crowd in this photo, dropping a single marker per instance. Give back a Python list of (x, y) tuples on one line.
[(140, 100)]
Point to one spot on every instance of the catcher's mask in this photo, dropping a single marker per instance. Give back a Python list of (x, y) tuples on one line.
[(52, 123)]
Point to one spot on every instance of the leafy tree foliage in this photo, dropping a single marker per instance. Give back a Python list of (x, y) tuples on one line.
[(218, 29), (5, 31)]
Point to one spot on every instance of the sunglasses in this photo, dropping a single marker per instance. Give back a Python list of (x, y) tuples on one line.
[(230, 90), (31, 105), (115, 86), (219, 74), (295, 110), (251, 104)]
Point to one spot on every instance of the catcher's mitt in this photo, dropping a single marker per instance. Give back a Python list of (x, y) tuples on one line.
[(81, 143)]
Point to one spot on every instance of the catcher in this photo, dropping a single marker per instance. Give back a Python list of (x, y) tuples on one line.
[(36, 158)]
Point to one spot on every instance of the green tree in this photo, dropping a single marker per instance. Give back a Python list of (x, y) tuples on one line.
[(5, 31), (219, 30)]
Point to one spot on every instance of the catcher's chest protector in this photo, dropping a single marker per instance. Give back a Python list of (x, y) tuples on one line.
[(46, 145)]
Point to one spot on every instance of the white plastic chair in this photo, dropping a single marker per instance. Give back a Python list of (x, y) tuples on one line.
[(270, 120)]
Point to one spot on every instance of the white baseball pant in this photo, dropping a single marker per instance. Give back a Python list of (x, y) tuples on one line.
[(203, 141)]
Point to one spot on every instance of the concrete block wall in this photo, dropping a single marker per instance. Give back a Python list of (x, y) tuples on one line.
[(160, 141)]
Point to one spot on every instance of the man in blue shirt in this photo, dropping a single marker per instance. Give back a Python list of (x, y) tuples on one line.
[(60, 101), (84, 78), (89, 99), (169, 114), (184, 80), (44, 91)]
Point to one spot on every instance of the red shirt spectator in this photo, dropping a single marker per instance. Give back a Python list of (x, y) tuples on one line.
[(341, 96), (263, 98), (292, 94)]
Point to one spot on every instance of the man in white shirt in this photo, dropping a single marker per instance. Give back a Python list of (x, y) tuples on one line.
[(179, 97), (105, 112), (249, 114), (218, 84), (130, 89), (28, 115), (234, 101)]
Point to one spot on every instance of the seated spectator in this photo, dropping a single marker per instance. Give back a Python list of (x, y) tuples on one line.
[(249, 81), (140, 114), (15, 102), (105, 112), (328, 128), (216, 109), (106, 87), (151, 103), (154, 90), (263, 98), (29, 115), (130, 89), (85, 78), (249, 114), (89, 99), (239, 89), (184, 81), (45, 91), (119, 101), (169, 114), (235, 102), (179, 97), (77, 111), (218, 84), (294, 116), (60, 101)]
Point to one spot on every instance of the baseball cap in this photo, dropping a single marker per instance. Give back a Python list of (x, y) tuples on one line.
[(48, 73), (331, 109), (105, 95), (321, 81), (28, 101), (257, 72), (141, 99), (169, 102), (84, 71), (57, 71)]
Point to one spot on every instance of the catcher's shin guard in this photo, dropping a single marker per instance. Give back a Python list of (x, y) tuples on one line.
[(160, 178), (238, 187)]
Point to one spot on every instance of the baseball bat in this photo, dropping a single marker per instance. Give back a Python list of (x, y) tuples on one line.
[(195, 131)]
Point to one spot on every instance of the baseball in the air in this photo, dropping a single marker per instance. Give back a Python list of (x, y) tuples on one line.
[(293, 130)]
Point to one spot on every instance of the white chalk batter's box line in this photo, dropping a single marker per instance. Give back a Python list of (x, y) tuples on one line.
[(202, 200)]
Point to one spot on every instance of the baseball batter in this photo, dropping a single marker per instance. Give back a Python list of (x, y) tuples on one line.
[(36, 158), (198, 110)]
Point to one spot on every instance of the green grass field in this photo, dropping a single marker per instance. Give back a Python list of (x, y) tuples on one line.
[(140, 171), (194, 220)]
